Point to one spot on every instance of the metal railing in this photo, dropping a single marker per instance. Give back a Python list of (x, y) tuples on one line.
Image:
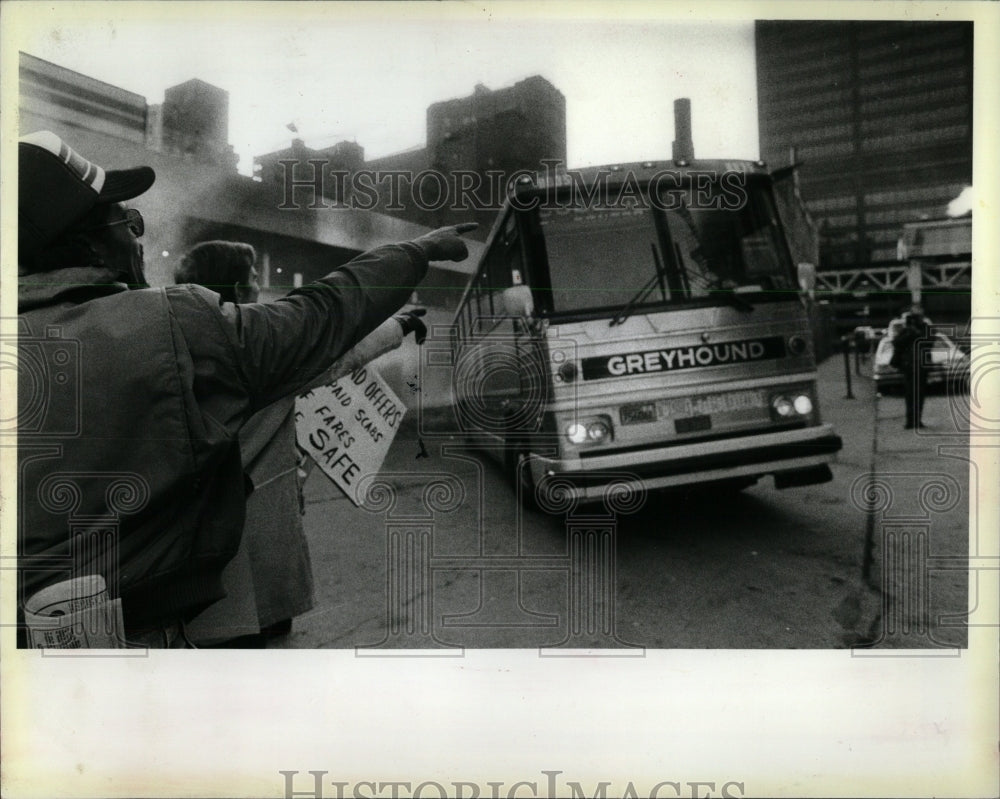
[(954, 275)]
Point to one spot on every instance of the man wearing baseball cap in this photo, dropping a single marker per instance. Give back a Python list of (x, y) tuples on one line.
[(124, 385)]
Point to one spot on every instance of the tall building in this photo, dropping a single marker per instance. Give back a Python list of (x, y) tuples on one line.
[(508, 129), (195, 119), (880, 116)]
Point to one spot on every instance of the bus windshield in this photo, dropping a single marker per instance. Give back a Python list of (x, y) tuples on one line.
[(609, 254)]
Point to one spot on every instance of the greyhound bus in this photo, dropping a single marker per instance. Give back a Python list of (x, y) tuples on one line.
[(644, 323)]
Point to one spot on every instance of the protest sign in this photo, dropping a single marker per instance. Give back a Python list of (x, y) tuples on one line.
[(348, 426)]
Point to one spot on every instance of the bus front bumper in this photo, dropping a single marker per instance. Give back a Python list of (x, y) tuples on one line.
[(783, 454)]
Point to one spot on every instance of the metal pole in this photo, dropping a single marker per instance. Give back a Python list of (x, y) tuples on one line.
[(847, 365), (857, 356)]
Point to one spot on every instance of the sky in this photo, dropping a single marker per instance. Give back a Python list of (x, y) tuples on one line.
[(368, 73)]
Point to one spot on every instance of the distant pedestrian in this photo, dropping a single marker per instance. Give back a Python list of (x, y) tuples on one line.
[(908, 347)]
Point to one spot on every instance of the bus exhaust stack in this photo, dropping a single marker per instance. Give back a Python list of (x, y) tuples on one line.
[(683, 149)]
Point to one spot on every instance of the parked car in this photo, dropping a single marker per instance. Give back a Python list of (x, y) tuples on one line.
[(948, 364)]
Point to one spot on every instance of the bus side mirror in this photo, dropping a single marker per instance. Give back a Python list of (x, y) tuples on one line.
[(807, 279), (517, 302)]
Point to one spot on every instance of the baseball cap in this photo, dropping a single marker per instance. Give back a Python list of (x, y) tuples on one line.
[(58, 186)]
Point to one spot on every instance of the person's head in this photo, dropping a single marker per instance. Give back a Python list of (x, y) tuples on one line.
[(226, 267), (70, 211), (108, 236)]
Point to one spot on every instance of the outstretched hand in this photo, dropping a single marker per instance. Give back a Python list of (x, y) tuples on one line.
[(411, 322), (446, 244)]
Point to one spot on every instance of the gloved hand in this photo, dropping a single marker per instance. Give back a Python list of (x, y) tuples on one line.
[(410, 322), (445, 244)]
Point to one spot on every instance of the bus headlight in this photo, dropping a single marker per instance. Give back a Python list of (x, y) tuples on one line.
[(783, 407), (592, 431), (597, 431), (576, 433), (791, 405)]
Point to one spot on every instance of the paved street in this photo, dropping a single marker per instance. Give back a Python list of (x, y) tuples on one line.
[(852, 562)]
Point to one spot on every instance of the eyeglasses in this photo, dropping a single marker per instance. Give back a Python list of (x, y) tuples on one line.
[(132, 218)]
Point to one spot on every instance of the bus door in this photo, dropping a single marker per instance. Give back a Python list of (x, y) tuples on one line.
[(511, 272), (498, 373)]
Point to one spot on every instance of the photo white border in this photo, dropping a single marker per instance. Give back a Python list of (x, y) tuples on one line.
[(782, 723)]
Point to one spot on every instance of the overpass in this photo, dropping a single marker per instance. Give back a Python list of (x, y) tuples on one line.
[(934, 269)]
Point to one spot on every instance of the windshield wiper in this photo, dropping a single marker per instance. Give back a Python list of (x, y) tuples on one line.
[(656, 279)]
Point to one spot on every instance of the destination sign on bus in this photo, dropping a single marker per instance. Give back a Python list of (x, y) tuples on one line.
[(676, 358)]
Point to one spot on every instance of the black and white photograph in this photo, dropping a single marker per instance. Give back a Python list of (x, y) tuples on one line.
[(499, 401)]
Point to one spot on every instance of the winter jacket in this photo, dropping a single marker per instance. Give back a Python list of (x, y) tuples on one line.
[(905, 348), (129, 407)]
